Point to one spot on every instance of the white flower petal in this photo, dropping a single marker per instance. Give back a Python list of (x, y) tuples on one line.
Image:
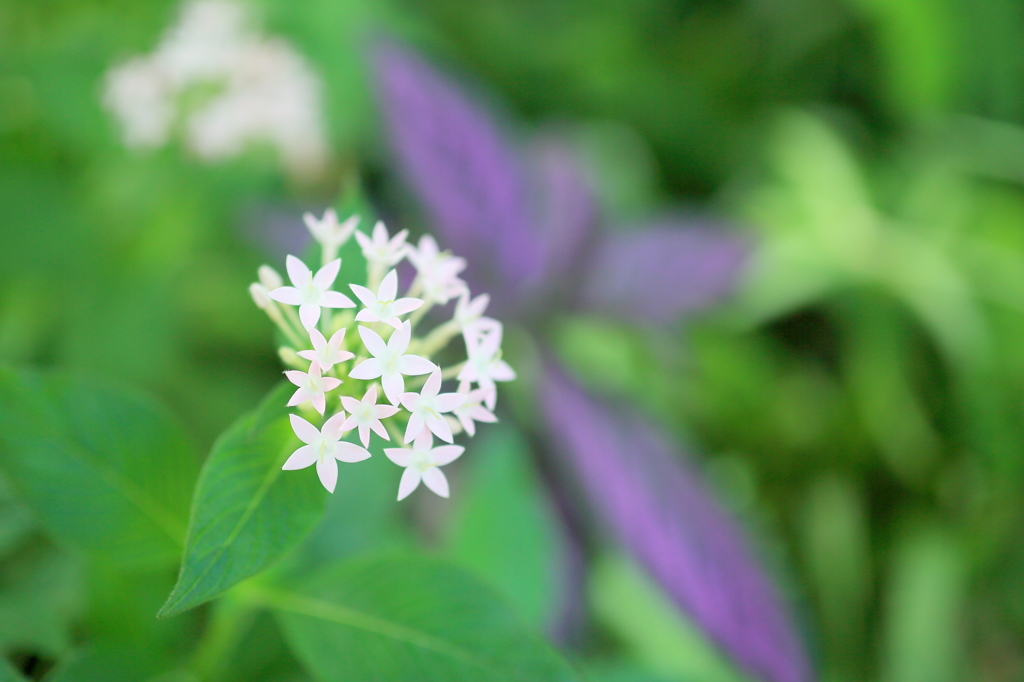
[(414, 427), (298, 273), (309, 314), (414, 365), (435, 479), (327, 470), (446, 454), (446, 402), (324, 277), (319, 402), (306, 432), (333, 427), (300, 396), (399, 341), (400, 456), (350, 452), (406, 305), (410, 481), (301, 458), (379, 429), (394, 386), (364, 295), (372, 341), (433, 384), (366, 370), (288, 295), (335, 299), (388, 289), (439, 427)]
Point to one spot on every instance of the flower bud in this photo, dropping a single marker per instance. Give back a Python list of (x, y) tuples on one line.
[(260, 296), (290, 358), (269, 277)]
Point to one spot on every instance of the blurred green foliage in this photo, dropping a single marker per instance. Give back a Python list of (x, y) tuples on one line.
[(860, 399)]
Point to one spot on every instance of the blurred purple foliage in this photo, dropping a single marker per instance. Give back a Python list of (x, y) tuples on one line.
[(532, 241)]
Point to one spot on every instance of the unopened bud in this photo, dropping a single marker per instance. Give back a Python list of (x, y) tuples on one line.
[(290, 358), (260, 296), (269, 277)]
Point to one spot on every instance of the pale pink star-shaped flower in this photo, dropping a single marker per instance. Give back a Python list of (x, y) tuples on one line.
[(485, 366), (312, 387), (382, 306), (473, 408), (438, 271), (326, 353), (323, 447), (389, 361), (328, 232), (366, 414), (311, 292), (421, 464), (381, 250), (426, 408), (469, 315)]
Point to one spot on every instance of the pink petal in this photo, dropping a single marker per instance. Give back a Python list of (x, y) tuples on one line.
[(373, 342), (300, 396), (350, 452), (393, 385), (307, 355), (298, 273), (400, 456), (414, 365), (309, 314), (388, 287), (289, 295), (440, 428), (482, 415), (324, 277), (410, 481), (406, 305), (296, 377), (364, 435), (436, 481), (363, 294), (366, 315), (384, 411), (502, 372), (446, 454), (334, 426), (330, 383), (366, 370), (379, 429), (327, 470), (408, 400), (433, 384), (394, 322), (306, 432), (301, 458), (414, 427), (399, 341), (319, 402), (319, 342), (336, 299), (446, 402), (467, 424), (350, 403), (350, 423)]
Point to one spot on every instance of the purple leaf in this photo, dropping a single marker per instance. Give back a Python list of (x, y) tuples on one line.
[(567, 210), (657, 273), (661, 512), (456, 161)]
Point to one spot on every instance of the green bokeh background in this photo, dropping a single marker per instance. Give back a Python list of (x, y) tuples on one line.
[(858, 402)]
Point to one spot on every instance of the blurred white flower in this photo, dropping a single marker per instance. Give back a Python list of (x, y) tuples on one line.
[(263, 90)]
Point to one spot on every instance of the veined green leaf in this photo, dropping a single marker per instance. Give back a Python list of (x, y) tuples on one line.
[(247, 512), (105, 469), (409, 618)]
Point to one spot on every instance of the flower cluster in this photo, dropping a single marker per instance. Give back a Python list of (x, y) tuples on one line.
[(385, 353), (224, 85)]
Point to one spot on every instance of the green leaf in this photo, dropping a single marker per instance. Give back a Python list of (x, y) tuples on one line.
[(408, 618), (8, 673), (105, 469), (504, 531), (247, 512)]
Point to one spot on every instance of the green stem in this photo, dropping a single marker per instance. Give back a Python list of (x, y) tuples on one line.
[(229, 621)]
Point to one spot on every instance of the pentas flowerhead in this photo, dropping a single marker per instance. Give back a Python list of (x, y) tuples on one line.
[(349, 371)]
